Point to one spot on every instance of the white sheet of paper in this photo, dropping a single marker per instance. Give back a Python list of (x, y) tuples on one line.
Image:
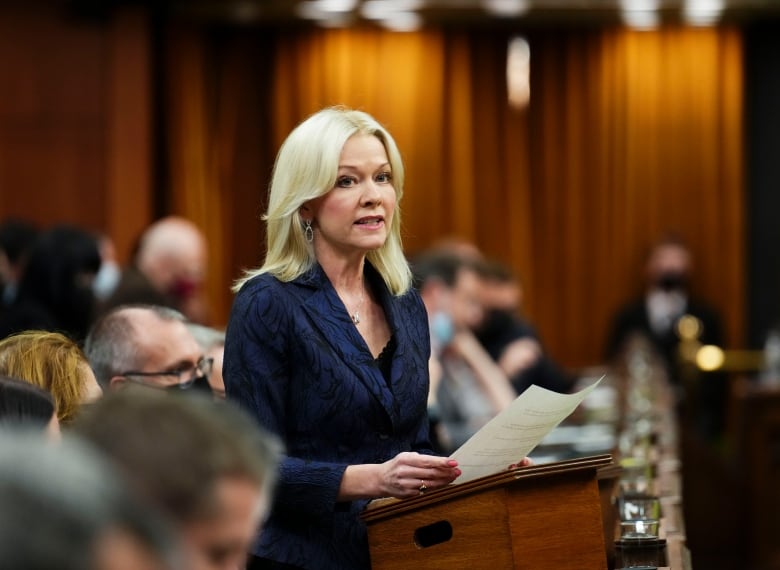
[(516, 431)]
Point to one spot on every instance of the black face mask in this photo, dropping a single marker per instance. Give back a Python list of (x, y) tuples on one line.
[(672, 281), (199, 384)]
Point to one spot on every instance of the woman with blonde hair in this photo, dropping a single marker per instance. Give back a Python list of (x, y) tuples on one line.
[(327, 344), (53, 362)]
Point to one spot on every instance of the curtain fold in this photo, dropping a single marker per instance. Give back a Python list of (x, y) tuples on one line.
[(636, 135)]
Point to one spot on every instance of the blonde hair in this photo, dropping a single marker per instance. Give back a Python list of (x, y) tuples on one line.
[(51, 361), (306, 168)]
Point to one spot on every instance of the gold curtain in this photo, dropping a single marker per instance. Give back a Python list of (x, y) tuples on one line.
[(216, 166), (634, 135), (628, 135)]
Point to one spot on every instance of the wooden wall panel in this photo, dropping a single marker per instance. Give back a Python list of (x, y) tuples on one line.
[(52, 113), (75, 120)]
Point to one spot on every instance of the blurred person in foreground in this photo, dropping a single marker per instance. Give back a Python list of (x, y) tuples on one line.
[(168, 269), (55, 363), (212, 343), (204, 465), (63, 507), (147, 344), (55, 291), (327, 344), (25, 405)]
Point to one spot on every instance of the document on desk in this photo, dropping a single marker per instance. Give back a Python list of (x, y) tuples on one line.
[(516, 431)]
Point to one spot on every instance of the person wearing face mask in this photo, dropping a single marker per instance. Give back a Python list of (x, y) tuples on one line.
[(168, 269), (655, 315), (109, 274), (55, 289), (148, 345), (667, 297), (468, 387)]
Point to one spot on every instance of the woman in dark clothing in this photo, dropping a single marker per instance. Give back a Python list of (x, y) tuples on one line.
[(328, 346)]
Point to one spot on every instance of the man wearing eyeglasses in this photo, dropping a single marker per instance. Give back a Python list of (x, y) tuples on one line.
[(149, 345)]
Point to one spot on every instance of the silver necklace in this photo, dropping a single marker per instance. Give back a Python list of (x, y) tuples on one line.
[(355, 316)]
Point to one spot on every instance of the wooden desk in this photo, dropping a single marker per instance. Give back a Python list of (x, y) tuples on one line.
[(756, 433), (536, 518)]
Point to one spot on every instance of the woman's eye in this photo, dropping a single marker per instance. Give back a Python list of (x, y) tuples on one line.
[(345, 182), (384, 177)]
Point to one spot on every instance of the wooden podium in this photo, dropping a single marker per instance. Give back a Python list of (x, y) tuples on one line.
[(538, 517)]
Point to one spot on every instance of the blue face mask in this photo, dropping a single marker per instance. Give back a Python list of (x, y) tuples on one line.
[(442, 329), (106, 280)]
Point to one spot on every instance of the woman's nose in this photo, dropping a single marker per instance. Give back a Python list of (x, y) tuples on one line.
[(372, 195)]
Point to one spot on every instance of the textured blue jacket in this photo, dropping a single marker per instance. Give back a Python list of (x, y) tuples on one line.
[(294, 360)]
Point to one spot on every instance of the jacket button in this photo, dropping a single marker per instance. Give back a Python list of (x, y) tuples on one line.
[(384, 436)]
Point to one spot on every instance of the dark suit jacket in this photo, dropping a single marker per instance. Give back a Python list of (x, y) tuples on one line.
[(295, 360), (633, 318), (712, 396)]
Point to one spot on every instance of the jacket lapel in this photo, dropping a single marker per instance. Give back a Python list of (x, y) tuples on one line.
[(328, 314)]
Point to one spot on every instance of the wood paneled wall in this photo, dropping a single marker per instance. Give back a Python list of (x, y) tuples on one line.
[(75, 141)]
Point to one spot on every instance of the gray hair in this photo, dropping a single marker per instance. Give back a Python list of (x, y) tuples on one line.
[(207, 337), (111, 345), (59, 502), (197, 443)]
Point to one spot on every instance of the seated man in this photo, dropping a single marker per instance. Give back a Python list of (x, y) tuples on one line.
[(202, 464), (505, 334), (468, 388), (653, 317), (666, 298), (509, 339), (168, 269), (146, 344)]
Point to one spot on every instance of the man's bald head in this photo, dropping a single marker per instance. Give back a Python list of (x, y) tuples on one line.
[(172, 255)]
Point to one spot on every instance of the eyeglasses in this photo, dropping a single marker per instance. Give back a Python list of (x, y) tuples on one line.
[(185, 376)]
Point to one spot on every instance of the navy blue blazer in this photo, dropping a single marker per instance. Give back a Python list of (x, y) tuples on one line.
[(294, 360)]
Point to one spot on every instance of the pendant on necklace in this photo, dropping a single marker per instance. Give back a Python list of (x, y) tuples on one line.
[(355, 317)]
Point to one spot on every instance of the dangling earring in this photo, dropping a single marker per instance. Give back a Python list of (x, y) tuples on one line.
[(308, 233)]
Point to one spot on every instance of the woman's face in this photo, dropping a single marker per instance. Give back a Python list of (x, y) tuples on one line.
[(356, 215)]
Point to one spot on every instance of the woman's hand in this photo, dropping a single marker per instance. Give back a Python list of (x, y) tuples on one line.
[(409, 474), (524, 462), (406, 475)]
